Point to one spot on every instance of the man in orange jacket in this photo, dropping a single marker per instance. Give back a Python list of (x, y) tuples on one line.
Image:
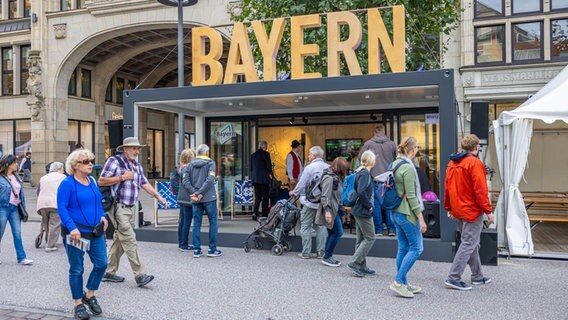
[(466, 199)]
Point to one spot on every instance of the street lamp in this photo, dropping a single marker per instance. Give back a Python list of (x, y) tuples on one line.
[(181, 117), (174, 3)]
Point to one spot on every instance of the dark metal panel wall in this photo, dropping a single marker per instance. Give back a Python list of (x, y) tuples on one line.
[(444, 79)]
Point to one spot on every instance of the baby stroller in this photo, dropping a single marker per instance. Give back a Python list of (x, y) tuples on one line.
[(282, 218)]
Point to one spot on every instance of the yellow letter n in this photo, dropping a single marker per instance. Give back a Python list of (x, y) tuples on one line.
[(379, 37)]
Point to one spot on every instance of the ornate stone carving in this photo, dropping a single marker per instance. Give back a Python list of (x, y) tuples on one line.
[(35, 99), (60, 30)]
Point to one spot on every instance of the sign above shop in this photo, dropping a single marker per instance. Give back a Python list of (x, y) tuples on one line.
[(207, 47), (508, 77), (117, 116), (225, 133), (432, 118)]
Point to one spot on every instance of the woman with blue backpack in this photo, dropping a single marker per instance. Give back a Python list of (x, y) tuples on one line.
[(407, 217), (362, 211)]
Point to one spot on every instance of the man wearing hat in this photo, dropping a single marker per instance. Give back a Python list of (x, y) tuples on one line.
[(294, 165), (125, 174)]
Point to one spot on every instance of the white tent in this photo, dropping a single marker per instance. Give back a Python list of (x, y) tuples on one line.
[(513, 132)]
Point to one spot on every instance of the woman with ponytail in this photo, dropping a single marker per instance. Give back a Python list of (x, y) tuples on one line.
[(407, 217)]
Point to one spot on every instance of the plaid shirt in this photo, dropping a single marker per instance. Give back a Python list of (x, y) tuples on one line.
[(130, 189)]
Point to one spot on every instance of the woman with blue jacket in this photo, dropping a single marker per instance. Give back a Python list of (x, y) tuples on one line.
[(362, 211), (11, 195), (80, 207)]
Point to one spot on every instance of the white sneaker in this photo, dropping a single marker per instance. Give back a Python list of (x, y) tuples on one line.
[(50, 249), (26, 262)]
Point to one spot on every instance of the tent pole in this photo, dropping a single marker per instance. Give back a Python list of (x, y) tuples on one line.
[(505, 134)]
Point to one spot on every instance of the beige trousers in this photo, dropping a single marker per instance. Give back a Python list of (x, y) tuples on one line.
[(124, 240), (52, 224)]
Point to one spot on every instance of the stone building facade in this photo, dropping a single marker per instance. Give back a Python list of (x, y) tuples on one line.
[(65, 64), (507, 50), (504, 51)]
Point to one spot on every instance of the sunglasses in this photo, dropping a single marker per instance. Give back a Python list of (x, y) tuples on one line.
[(87, 161)]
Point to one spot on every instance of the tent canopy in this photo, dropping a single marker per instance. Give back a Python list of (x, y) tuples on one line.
[(513, 133), (548, 104)]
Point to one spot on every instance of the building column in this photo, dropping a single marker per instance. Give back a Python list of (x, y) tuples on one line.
[(142, 126), (5, 13), (199, 130), (50, 136), (17, 54), (99, 130), (20, 8)]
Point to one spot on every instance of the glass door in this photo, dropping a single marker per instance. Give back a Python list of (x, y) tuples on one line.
[(424, 126), (230, 147), (155, 141)]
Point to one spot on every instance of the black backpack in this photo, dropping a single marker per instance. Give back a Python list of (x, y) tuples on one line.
[(106, 192)]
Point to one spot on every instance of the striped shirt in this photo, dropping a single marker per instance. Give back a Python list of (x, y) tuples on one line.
[(130, 189)]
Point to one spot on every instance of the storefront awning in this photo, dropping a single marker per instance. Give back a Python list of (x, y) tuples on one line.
[(339, 94)]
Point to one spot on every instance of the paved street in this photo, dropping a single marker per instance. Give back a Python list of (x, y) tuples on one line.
[(8, 312), (258, 285)]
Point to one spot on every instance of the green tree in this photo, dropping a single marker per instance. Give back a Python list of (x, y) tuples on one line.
[(426, 20)]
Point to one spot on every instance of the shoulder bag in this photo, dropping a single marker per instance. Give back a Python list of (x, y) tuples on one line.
[(22, 212)]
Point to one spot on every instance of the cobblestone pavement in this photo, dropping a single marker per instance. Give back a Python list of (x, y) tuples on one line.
[(258, 285), (13, 312)]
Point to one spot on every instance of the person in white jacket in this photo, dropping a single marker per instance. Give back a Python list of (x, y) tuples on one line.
[(47, 203)]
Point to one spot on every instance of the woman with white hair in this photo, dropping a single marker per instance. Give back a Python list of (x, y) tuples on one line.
[(47, 203), (79, 203), (362, 211)]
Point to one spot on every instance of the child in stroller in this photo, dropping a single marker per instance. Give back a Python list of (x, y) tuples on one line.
[(282, 218)]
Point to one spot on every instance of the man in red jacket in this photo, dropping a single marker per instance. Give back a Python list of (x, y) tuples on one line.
[(466, 199)]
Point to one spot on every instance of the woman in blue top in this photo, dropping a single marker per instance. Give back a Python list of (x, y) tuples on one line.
[(80, 207), (11, 195)]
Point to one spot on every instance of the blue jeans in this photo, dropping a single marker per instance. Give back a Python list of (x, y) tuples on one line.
[(10, 214), (211, 209), (333, 236), (98, 255), (185, 217), (410, 245), (378, 213)]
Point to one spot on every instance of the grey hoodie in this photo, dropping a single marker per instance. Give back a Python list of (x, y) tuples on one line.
[(183, 196), (384, 149), (199, 178)]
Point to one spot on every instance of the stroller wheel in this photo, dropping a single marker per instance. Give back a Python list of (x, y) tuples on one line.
[(257, 244), (286, 246), (38, 240), (247, 248), (277, 250)]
